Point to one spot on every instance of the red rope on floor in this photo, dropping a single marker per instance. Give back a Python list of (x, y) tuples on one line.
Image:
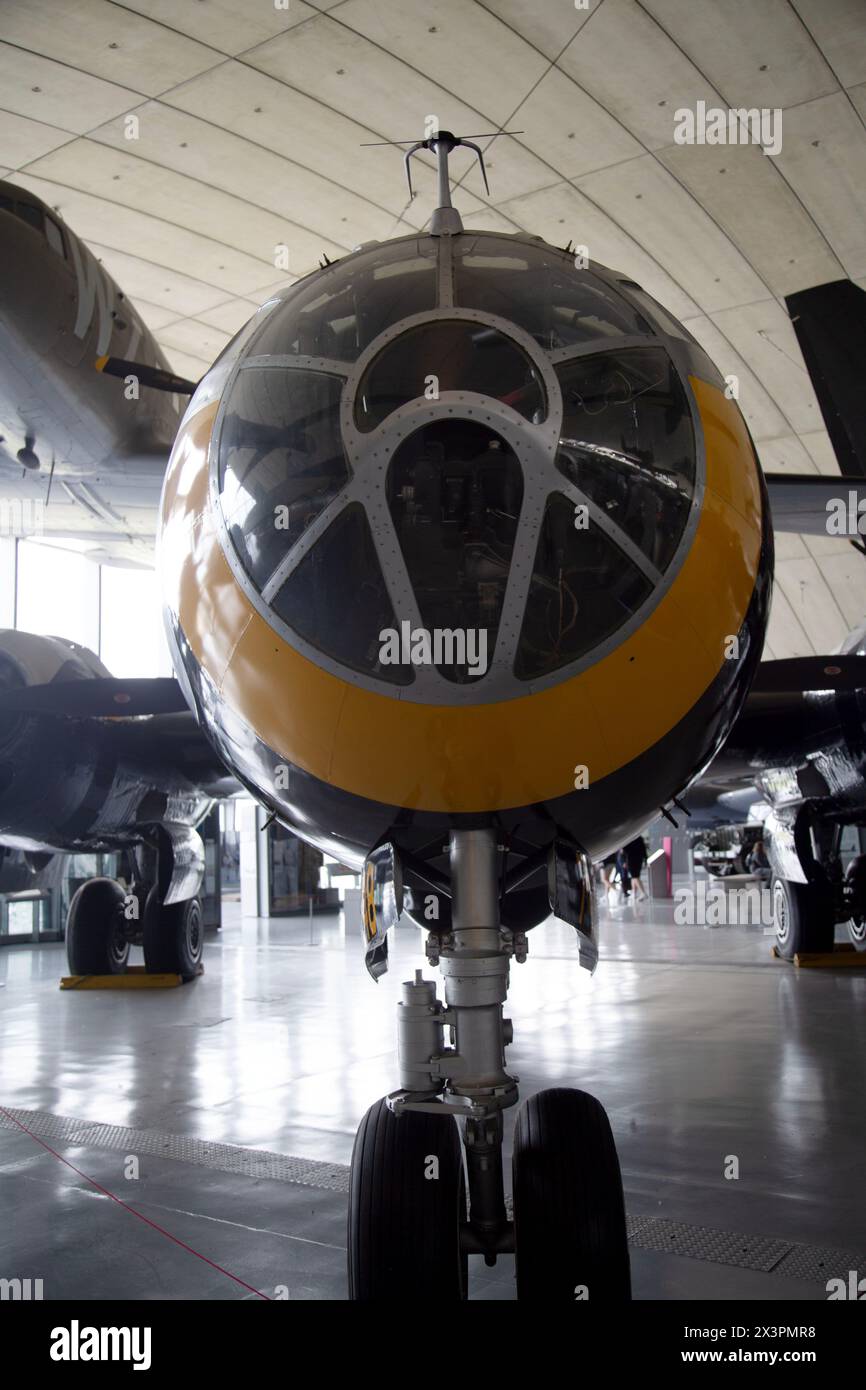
[(146, 1219)]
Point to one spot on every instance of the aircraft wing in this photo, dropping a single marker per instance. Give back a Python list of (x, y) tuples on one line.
[(110, 517), (95, 761), (812, 504), (146, 720)]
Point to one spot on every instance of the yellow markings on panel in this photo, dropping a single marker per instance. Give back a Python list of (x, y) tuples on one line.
[(184, 495), (478, 757), (727, 472), (368, 903)]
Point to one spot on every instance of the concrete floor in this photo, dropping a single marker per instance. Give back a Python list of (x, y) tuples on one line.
[(698, 1043)]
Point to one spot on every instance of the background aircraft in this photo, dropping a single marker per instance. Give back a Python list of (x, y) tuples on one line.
[(81, 455), (80, 770), (798, 747), (323, 490)]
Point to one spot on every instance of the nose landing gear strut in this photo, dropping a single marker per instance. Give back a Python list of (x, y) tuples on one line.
[(409, 1230)]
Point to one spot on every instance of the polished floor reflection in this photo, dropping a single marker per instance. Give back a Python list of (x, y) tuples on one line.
[(702, 1047)]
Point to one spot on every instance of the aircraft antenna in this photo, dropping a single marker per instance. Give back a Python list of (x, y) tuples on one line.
[(446, 219)]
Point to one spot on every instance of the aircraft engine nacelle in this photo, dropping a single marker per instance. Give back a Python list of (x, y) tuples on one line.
[(459, 532), (42, 770)]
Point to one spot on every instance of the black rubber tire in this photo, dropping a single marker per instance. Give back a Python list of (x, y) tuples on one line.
[(404, 1228), (857, 932), (173, 937), (95, 944), (803, 917), (569, 1212), (855, 877)]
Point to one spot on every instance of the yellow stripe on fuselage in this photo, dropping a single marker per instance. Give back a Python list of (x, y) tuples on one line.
[(459, 758)]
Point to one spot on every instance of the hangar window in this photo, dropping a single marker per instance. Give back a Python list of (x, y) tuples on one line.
[(583, 588), (338, 313), (336, 598), (461, 356), (627, 442), (539, 289), (281, 461), (455, 491)]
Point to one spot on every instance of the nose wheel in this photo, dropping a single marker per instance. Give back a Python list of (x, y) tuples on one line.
[(569, 1214), (409, 1230), (407, 1204)]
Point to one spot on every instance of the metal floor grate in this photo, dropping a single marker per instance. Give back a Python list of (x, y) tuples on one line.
[(654, 1233), (820, 1263), (223, 1158), (705, 1243)]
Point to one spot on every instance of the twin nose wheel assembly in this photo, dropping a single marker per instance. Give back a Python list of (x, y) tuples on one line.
[(426, 1185)]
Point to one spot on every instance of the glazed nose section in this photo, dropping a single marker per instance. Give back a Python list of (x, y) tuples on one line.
[(456, 475), (454, 495), (628, 444), (458, 355), (621, 499), (303, 542), (281, 464)]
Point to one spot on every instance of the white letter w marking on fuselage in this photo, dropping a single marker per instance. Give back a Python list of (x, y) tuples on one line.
[(91, 286)]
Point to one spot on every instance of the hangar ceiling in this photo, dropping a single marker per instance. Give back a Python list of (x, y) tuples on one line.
[(251, 119)]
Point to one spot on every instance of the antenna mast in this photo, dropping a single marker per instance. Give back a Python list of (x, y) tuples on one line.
[(446, 219)]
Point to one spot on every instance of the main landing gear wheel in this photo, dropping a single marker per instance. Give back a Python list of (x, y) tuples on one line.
[(855, 877), (569, 1214), (803, 916), (857, 932), (406, 1204), (173, 936), (95, 940)]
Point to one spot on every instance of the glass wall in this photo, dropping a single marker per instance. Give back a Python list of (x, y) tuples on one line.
[(61, 593), (7, 581), (57, 593), (132, 641)]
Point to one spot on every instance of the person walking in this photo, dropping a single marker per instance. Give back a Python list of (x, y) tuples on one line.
[(635, 856), (624, 874), (607, 867)]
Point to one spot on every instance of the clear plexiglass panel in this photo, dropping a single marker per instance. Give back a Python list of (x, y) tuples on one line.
[(281, 461), (628, 443), (449, 355), (583, 588), (337, 314), (539, 288), (455, 490), (336, 599)]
